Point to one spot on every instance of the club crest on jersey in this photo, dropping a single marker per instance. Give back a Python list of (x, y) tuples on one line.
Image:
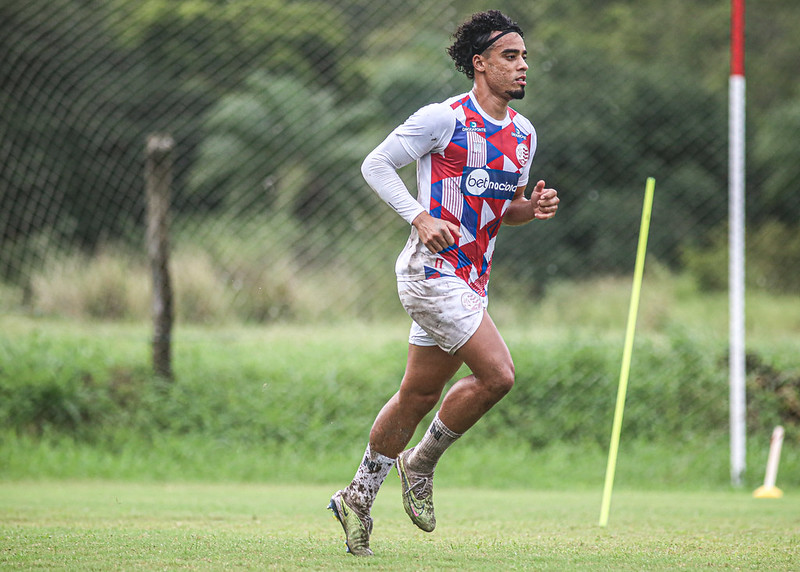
[(523, 154)]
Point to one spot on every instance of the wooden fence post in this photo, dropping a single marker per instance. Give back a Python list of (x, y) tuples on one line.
[(158, 180)]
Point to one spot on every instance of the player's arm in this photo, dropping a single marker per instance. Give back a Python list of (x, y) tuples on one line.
[(422, 133), (380, 171), (542, 205)]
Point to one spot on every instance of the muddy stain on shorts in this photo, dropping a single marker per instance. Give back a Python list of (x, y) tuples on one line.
[(446, 311)]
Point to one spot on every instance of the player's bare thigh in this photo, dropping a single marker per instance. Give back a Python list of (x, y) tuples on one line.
[(487, 355), (429, 368)]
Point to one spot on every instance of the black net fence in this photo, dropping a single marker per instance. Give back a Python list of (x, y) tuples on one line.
[(273, 105)]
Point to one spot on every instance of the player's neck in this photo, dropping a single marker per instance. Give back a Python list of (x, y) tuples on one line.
[(493, 104)]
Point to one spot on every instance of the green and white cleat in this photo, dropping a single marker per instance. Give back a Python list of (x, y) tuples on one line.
[(357, 527), (417, 494)]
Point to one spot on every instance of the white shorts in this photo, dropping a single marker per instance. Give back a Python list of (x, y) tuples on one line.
[(445, 310)]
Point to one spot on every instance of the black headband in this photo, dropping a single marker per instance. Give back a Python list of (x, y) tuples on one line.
[(483, 46)]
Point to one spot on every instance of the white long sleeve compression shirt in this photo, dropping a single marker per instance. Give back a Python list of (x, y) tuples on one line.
[(428, 130)]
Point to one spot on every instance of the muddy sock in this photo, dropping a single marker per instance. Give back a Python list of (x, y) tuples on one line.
[(426, 454), (368, 480)]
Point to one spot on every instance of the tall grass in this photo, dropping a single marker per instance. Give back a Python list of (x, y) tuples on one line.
[(221, 283), (295, 402), (115, 286)]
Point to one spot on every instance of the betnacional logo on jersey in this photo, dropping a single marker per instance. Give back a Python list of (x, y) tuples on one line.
[(489, 182), (476, 182), (523, 154)]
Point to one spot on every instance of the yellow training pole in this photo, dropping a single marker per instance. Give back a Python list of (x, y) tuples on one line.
[(626, 357)]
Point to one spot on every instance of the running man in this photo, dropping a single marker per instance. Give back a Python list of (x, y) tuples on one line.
[(473, 155)]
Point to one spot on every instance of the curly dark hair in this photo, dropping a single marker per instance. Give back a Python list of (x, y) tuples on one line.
[(472, 37)]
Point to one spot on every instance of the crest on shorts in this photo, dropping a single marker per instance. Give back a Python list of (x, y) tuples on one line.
[(471, 301)]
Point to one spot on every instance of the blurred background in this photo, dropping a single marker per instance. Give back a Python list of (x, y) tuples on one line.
[(273, 105), (282, 257)]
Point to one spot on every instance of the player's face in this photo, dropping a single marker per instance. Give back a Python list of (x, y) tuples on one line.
[(506, 66)]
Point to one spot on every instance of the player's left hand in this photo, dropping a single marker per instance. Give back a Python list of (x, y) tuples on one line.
[(545, 201)]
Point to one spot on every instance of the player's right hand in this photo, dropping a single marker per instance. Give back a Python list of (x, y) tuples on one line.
[(436, 234)]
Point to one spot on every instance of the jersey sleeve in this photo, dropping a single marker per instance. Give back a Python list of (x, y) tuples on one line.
[(427, 131)]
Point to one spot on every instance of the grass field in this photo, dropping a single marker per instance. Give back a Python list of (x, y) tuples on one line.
[(197, 477), (106, 525)]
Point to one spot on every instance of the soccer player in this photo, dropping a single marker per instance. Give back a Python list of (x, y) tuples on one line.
[(473, 155)]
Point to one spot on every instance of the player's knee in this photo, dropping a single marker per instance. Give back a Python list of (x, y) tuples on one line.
[(420, 402), (428, 401), (501, 380), (507, 379)]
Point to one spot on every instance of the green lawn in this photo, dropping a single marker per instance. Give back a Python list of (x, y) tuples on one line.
[(106, 525)]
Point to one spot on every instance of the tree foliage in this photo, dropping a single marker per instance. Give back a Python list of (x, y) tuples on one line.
[(278, 102)]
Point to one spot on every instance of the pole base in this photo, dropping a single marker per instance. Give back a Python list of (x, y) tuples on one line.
[(767, 493)]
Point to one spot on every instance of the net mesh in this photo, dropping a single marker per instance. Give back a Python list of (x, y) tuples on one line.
[(273, 105)]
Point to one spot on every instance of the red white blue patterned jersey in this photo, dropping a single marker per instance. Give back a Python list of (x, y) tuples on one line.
[(469, 167)]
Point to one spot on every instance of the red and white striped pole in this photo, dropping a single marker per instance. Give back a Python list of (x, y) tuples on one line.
[(736, 241)]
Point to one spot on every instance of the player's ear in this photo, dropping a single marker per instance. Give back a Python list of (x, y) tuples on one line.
[(478, 63)]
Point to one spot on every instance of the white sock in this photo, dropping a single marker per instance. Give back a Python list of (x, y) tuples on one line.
[(368, 479), (426, 454)]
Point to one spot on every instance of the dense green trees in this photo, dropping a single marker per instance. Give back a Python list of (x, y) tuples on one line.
[(274, 104)]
